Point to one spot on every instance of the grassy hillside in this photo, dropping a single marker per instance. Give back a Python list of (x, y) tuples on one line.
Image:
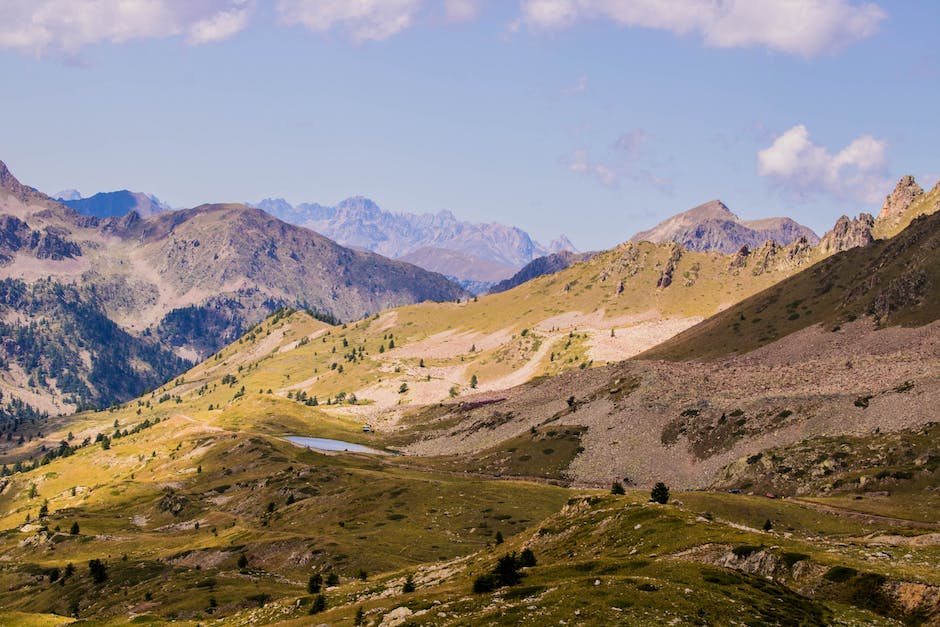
[(187, 505), (195, 522), (893, 281)]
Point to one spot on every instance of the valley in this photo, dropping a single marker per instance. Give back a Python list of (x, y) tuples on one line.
[(793, 419)]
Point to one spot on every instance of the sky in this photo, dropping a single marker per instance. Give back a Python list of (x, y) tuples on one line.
[(593, 118)]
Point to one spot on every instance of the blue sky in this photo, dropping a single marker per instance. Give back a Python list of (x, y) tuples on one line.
[(594, 118)]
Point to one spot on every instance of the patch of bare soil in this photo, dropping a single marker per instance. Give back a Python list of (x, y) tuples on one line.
[(801, 386)]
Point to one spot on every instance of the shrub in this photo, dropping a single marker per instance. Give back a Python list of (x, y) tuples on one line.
[(319, 604), (527, 558), (315, 583), (617, 488), (243, 561), (507, 570), (660, 493), (409, 585), (332, 579), (840, 574), (484, 583), (505, 573), (98, 570)]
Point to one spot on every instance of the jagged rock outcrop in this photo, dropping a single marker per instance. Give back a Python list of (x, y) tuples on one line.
[(712, 226), (897, 202), (848, 233), (665, 278), (739, 259), (47, 243)]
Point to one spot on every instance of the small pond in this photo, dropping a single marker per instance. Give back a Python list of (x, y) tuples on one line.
[(325, 444)]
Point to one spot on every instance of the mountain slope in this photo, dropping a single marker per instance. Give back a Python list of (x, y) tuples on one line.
[(712, 226), (490, 251), (550, 264), (893, 281), (457, 264), (58, 337), (209, 512), (192, 279)]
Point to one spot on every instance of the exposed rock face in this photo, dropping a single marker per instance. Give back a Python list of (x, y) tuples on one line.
[(903, 196), (665, 279), (11, 184), (48, 243), (848, 233), (712, 226), (550, 264)]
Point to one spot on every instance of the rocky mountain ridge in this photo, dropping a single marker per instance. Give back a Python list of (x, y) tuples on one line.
[(712, 226), (490, 252)]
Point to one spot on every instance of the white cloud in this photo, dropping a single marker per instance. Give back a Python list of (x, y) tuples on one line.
[(629, 158), (804, 27), (631, 144), (219, 26), (363, 19), (803, 168), (64, 27), (580, 163), (462, 10)]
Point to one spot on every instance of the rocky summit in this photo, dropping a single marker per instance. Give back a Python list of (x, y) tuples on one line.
[(712, 226)]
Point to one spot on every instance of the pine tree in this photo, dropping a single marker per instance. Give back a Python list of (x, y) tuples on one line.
[(660, 493)]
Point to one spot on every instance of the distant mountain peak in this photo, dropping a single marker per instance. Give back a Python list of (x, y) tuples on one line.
[(713, 226), (67, 194), (118, 203), (561, 244), (714, 209)]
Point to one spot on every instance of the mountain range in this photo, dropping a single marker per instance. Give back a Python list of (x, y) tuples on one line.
[(436, 241), (530, 426), (186, 281), (474, 254)]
